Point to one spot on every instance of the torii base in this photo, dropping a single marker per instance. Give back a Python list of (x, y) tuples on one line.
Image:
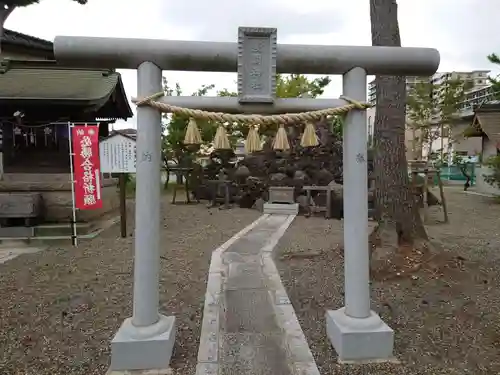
[(360, 340), (143, 348)]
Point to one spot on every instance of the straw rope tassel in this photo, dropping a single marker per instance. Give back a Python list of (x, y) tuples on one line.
[(309, 137), (193, 135), (281, 140), (221, 141), (252, 143)]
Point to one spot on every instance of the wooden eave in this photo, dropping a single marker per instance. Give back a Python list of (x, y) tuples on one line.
[(488, 123), (485, 121), (17, 39), (34, 84)]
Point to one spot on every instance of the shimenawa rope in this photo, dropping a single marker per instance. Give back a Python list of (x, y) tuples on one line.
[(282, 119)]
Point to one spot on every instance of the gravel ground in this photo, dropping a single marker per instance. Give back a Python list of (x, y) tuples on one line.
[(446, 317), (60, 308)]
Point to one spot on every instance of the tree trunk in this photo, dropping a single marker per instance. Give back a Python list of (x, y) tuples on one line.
[(4, 14), (400, 226), (430, 140), (441, 131)]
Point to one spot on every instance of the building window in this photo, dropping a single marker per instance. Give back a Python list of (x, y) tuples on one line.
[(445, 132)]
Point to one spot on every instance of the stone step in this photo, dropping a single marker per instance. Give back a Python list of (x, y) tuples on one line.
[(281, 209), (37, 177), (64, 229)]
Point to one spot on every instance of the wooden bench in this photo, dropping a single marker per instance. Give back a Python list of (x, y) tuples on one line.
[(428, 181), (328, 189), (217, 187), (184, 174), (25, 206)]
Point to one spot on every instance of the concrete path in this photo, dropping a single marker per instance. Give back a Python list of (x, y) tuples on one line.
[(249, 325), (12, 249)]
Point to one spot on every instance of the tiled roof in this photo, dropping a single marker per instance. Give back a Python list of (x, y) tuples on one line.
[(18, 39), (129, 132), (34, 80), (489, 123), (20, 79), (123, 132)]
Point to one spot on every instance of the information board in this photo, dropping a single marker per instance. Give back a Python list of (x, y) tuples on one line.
[(118, 154)]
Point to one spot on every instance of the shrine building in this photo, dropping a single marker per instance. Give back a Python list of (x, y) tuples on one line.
[(37, 100)]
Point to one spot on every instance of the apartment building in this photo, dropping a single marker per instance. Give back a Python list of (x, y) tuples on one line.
[(479, 92), (413, 148), (410, 81), (477, 78), (474, 97), (477, 96)]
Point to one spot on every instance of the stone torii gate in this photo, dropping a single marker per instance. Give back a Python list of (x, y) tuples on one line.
[(146, 340)]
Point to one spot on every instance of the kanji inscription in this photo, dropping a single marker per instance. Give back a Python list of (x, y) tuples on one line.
[(256, 65)]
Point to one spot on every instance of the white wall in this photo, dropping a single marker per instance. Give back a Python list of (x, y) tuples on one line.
[(437, 145), (489, 149)]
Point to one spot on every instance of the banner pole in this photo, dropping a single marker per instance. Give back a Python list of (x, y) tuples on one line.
[(74, 238)]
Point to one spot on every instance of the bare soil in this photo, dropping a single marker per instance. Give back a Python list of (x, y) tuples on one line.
[(60, 308), (445, 316)]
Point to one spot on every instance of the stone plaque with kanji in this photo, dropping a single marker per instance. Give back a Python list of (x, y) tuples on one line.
[(257, 64)]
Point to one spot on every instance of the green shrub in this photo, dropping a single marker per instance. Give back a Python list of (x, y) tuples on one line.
[(494, 177)]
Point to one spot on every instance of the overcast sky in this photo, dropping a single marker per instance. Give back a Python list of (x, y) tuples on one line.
[(463, 31)]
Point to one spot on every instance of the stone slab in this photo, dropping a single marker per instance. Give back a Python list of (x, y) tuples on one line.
[(253, 354), (167, 371), (249, 245), (17, 232), (267, 227), (305, 368), (260, 235), (294, 340), (258, 331), (273, 222), (229, 257), (245, 276), (249, 311), (208, 351), (137, 352), (359, 340), (10, 252), (207, 369), (281, 209)]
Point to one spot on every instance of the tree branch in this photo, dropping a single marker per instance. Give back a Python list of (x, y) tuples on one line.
[(5, 12)]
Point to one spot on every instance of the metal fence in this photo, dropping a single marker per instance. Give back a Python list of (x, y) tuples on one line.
[(453, 173)]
